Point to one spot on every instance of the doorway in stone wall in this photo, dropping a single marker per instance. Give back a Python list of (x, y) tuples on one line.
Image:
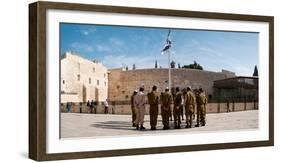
[(97, 94), (84, 93)]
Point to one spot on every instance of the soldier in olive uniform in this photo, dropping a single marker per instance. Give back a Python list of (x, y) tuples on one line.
[(166, 101), (189, 107), (177, 107), (173, 94), (201, 101), (153, 100), (133, 108)]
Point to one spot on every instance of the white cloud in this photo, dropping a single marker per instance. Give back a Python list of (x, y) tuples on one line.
[(87, 31), (113, 45), (82, 47), (116, 41), (211, 52), (103, 48), (144, 61)]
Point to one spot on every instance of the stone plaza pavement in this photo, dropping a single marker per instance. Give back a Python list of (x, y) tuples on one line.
[(75, 125)]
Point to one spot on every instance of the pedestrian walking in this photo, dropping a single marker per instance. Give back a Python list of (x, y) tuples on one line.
[(105, 107), (80, 107)]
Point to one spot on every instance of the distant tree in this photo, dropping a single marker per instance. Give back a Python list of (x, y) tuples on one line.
[(127, 68), (256, 73), (179, 66), (195, 65), (156, 66), (134, 66), (173, 64)]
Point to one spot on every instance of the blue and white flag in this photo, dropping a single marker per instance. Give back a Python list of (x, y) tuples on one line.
[(168, 44)]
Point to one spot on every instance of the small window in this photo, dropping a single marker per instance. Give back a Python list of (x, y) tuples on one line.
[(94, 69), (118, 86), (104, 83), (127, 96), (98, 82), (63, 82), (123, 92), (90, 80), (78, 77), (104, 74)]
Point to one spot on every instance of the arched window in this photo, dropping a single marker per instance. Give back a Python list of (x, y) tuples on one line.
[(90, 80)]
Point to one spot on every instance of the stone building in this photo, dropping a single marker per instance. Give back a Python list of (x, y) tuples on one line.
[(82, 79)]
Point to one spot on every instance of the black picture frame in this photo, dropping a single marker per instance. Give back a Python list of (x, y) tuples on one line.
[(37, 79)]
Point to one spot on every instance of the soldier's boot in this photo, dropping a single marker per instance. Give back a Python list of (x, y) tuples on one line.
[(204, 123), (197, 125), (134, 125), (153, 128), (137, 127), (142, 128)]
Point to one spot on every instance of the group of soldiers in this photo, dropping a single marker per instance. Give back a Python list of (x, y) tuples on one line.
[(172, 105)]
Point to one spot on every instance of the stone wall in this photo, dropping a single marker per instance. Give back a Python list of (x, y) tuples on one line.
[(126, 109), (122, 83)]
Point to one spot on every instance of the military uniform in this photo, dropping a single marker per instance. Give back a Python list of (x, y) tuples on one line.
[(177, 109), (189, 108), (153, 100), (133, 109), (201, 101), (166, 101)]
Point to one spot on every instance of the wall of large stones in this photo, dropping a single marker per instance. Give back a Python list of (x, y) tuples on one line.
[(123, 83), (69, 97)]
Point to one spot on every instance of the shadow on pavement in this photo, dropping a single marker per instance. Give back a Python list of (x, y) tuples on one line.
[(121, 125)]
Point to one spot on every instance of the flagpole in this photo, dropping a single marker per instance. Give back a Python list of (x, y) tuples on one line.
[(169, 66)]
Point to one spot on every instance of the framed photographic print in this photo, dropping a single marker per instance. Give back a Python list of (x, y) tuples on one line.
[(113, 81)]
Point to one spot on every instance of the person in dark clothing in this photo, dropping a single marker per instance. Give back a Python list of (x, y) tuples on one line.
[(177, 107), (80, 107), (92, 105), (89, 108), (105, 107), (95, 107), (68, 107)]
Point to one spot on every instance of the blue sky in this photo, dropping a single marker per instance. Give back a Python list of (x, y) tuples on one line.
[(117, 46)]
